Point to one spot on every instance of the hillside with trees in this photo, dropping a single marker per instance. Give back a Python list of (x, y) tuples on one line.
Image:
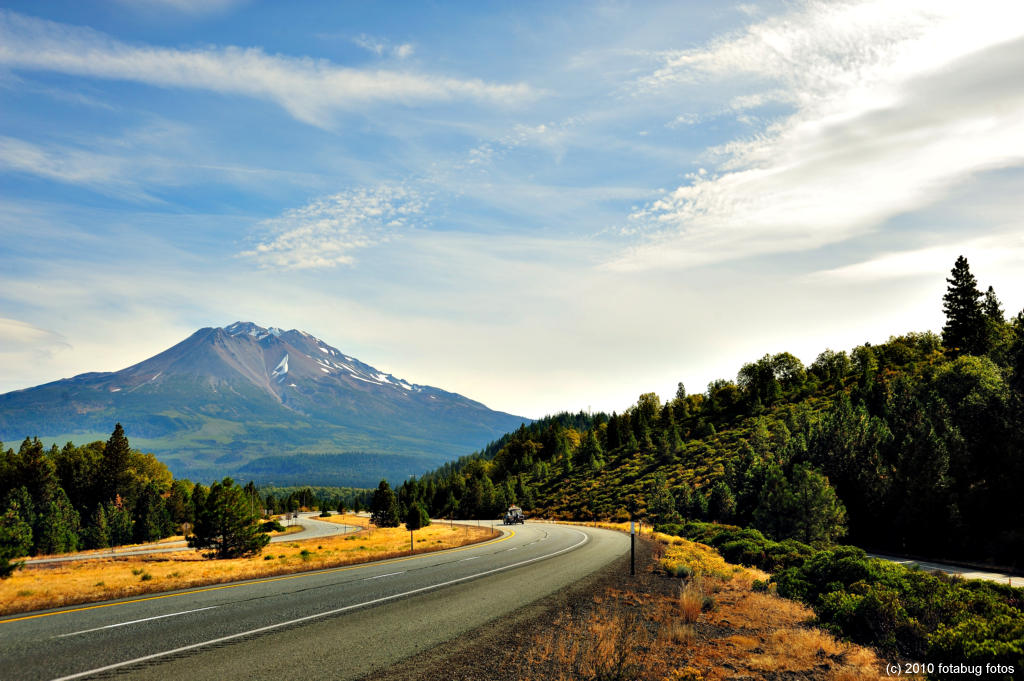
[(911, 446)]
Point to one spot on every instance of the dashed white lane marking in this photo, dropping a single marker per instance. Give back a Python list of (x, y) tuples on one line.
[(146, 619), (328, 613), (390, 574)]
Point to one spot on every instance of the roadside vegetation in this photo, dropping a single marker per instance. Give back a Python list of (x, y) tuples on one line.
[(707, 624), (52, 585), (905, 613)]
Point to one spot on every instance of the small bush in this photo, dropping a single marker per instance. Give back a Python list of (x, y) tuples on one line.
[(146, 577)]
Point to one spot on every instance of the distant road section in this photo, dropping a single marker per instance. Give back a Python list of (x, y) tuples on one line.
[(341, 623), (311, 529), (959, 570)]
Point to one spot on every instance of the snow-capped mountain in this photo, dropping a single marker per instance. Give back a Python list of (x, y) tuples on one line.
[(224, 399)]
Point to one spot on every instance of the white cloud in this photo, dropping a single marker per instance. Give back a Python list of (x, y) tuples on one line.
[(23, 347), (18, 334), (382, 46), (324, 233), (1002, 252), (75, 166), (311, 90), (893, 105), (374, 45)]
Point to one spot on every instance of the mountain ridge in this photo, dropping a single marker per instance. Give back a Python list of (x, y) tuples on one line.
[(244, 391)]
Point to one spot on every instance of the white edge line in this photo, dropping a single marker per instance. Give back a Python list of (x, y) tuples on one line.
[(145, 619), (328, 613)]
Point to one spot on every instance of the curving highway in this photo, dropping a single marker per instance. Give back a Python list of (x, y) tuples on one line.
[(340, 623)]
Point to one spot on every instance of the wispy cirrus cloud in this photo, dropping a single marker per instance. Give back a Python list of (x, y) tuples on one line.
[(326, 232), (999, 252), (891, 105), (18, 337), (64, 164), (313, 91), (383, 46)]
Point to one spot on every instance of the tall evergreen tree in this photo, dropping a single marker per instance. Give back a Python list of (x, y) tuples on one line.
[(964, 332), (384, 507), (97, 534), (119, 522), (37, 473), (227, 524), (15, 538), (1016, 353), (661, 505), (152, 520), (114, 476), (57, 526), (721, 502)]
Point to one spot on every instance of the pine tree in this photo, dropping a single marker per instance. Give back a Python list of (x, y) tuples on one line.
[(114, 476), (1016, 352), (384, 506), (37, 473), (227, 524), (97, 535), (119, 522), (15, 538), (416, 517), (57, 526), (661, 505), (683, 494), (721, 503), (152, 520), (964, 332), (997, 334), (992, 308)]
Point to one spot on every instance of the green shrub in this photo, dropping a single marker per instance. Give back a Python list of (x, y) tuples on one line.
[(905, 612), (271, 526)]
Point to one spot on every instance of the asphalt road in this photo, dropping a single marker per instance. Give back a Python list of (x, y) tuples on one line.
[(958, 570), (312, 528), (331, 624)]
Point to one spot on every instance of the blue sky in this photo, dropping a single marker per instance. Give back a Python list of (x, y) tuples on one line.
[(541, 206)]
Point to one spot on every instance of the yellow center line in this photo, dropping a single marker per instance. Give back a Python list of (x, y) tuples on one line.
[(299, 575)]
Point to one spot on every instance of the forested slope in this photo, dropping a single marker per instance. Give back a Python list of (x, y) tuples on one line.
[(915, 445)]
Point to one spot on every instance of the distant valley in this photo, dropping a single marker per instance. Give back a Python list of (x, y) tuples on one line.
[(259, 403)]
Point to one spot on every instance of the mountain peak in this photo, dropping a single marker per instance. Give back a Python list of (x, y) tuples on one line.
[(250, 329), (226, 395)]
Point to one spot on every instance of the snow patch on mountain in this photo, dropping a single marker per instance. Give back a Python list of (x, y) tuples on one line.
[(281, 369)]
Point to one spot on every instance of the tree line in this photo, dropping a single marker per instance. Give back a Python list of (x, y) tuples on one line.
[(106, 494), (912, 445)]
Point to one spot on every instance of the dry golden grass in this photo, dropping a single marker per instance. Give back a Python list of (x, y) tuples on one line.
[(774, 637), (51, 585), (711, 628), (347, 519), (691, 601), (613, 645)]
